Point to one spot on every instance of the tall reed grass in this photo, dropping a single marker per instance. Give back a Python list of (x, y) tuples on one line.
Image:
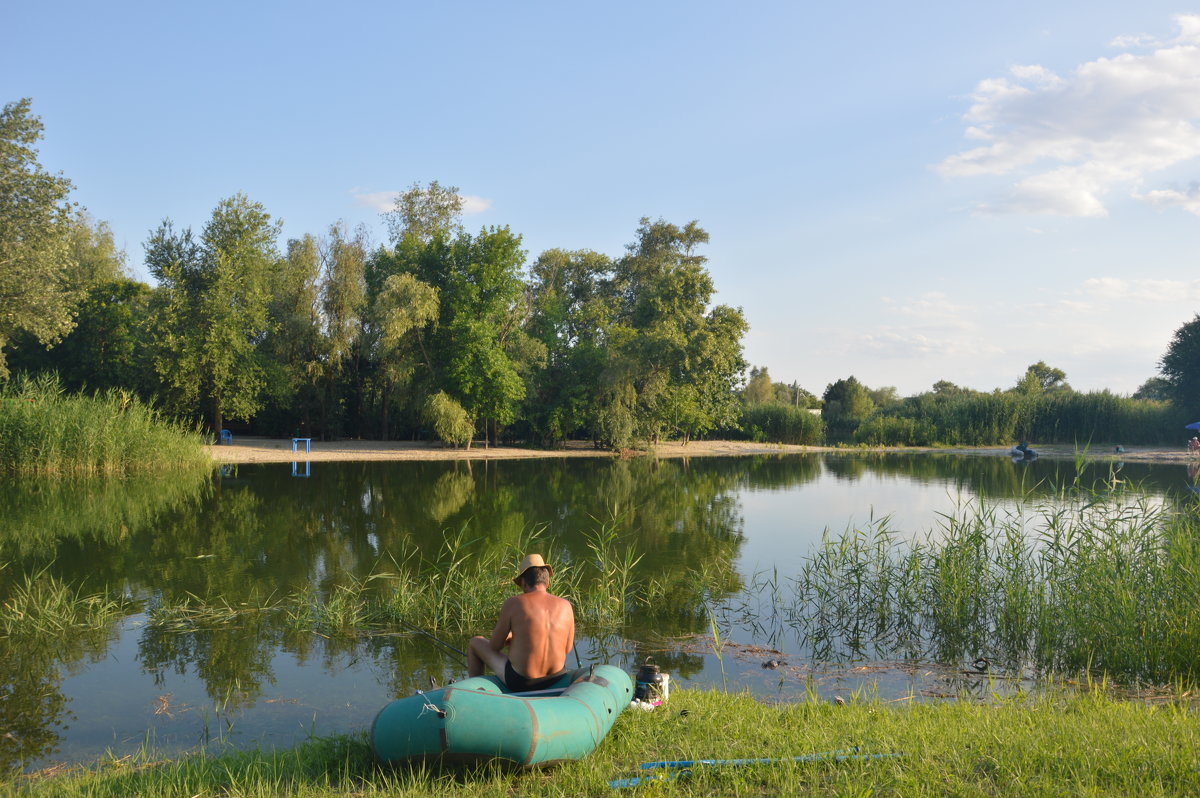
[(1101, 583), (995, 418), (44, 430), (457, 590), (776, 423)]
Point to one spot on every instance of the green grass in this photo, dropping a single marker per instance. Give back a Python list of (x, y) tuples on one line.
[(1066, 744), (45, 431)]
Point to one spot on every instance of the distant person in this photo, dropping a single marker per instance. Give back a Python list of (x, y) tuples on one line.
[(1194, 444), (536, 627)]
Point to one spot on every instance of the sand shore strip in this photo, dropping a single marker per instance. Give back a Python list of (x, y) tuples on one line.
[(279, 450)]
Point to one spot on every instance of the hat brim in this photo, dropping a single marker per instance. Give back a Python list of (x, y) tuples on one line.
[(517, 578)]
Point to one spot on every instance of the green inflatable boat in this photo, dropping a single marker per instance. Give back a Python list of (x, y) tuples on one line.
[(476, 720)]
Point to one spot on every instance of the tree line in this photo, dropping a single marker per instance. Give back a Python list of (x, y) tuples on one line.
[(445, 333), (440, 332), (1040, 407)]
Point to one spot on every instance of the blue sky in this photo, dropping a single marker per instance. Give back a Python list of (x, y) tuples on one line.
[(905, 194)]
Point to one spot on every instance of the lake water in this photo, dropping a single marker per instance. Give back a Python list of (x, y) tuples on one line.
[(267, 530)]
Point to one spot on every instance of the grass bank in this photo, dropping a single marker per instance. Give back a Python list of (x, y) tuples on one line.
[(1071, 744), (46, 431)]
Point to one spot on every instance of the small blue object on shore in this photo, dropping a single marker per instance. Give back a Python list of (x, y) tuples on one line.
[(226, 437), (306, 441)]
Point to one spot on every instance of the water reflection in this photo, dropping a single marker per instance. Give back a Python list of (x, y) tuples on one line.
[(253, 537)]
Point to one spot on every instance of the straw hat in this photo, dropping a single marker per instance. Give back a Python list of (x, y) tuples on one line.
[(530, 561)]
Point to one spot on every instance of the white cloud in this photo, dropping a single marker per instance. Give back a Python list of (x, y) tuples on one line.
[(1131, 41), (898, 342), (385, 201), (1175, 197), (473, 204), (1151, 291), (1071, 140), (382, 201), (935, 306)]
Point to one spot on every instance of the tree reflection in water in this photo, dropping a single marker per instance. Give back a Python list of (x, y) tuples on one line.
[(225, 568)]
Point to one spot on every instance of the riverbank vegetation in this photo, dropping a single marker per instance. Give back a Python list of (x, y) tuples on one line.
[(1107, 585), (1056, 743), (44, 430)]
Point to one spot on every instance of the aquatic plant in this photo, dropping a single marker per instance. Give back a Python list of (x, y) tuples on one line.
[(45, 430), (1100, 583)]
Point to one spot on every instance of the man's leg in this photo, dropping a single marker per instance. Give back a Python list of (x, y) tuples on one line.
[(481, 655)]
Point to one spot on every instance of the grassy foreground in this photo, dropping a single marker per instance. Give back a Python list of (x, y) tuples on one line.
[(1079, 744)]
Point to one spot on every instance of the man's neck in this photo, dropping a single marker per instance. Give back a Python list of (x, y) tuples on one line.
[(537, 588)]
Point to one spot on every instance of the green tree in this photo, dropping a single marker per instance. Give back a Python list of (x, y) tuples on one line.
[(291, 353), (108, 344), (481, 301), (403, 313), (1040, 378), (36, 292), (1180, 366), (759, 389), (421, 213), (450, 422), (674, 365), (343, 307), (212, 309), (572, 307), (1155, 388), (847, 405), (945, 388)]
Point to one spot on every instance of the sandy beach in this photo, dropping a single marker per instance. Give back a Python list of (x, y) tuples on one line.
[(279, 450)]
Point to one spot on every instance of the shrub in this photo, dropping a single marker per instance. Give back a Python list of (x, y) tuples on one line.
[(777, 423), (450, 422)]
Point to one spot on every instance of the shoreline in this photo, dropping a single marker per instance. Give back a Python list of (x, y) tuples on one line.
[(279, 450)]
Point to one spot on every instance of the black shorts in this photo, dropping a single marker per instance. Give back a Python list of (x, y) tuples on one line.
[(520, 684)]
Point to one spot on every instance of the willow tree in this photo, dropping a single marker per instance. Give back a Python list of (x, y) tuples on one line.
[(36, 294), (212, 309), (291, 351)]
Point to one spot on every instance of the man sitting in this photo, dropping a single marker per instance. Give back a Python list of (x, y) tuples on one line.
[(536, 627)]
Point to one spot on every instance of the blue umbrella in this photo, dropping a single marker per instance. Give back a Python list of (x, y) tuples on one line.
[(1193, 425)]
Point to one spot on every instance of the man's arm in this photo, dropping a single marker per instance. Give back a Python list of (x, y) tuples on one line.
[(570, 629), (502, 634)]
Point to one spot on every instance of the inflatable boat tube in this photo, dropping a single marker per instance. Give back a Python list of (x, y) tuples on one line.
[(477, 720)]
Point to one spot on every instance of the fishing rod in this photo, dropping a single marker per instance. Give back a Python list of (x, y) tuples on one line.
[(437, 640)]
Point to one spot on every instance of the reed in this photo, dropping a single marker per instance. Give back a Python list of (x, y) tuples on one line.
[(457, 591), (39, 605), (44, 430), (1108, 584), (776, 423), (998, 418)]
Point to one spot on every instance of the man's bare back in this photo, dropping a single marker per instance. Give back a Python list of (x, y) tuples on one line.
[(537, 628)]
